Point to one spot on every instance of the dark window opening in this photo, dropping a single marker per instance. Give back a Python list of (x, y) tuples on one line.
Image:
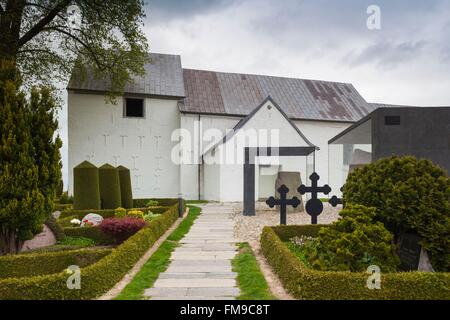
[(392, 120), (134, 108)]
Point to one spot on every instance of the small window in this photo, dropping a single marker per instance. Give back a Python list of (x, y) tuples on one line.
[(134, 108), (392, 120)]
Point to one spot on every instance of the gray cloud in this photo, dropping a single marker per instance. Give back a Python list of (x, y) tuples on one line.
[(166, 10), (386, 54)]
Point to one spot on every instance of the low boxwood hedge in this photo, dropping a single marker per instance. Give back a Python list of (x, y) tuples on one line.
[(304, 283), (164, 202), (80, 214), (93, 233), (97, 278), (33, 264)]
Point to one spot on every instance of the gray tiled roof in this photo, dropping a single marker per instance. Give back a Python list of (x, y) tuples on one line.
[(238, 94), (164, 77)]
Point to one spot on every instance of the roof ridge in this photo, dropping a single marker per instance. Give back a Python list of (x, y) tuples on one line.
[(268, 76)]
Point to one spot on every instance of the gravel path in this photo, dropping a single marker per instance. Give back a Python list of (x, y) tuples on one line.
[(248, 229)]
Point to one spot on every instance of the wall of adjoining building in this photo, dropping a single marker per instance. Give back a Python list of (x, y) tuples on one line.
[(98, 132)]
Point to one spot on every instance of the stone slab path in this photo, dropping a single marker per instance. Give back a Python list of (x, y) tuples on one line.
[(200, 268)]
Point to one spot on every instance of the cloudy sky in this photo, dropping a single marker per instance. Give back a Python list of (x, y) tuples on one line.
[(406, 62)]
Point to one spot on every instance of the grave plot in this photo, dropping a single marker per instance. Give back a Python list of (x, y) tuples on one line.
[(384, 245)]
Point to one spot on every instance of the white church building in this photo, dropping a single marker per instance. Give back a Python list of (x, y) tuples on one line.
[(184, 131)]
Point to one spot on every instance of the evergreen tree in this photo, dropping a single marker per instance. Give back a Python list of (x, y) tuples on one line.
[(29, 163)]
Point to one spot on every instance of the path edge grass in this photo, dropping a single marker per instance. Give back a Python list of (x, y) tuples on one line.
[(250, 279), (159, 261)]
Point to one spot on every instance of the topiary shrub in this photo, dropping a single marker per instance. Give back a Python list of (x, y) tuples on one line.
[(121, 228), (109, 187), (409, 195), (86, 187), (352, 243), (126, 191)]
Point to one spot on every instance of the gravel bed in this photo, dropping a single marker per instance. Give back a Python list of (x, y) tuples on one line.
[(249, 228)]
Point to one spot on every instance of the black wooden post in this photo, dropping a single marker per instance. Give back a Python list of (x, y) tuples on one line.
[(314, 206), (180, 206), (283, 203), (249, 184)]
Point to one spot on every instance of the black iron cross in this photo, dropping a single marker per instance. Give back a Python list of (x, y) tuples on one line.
[(334, 201), (283, 203), (314, 206)]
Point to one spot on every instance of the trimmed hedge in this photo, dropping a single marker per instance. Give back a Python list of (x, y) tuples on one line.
[(126, 191), (304, 283), (110, 194), (93, 233), (97, 278), (86, 186), (33, 264), (80, 214), (163, 202)]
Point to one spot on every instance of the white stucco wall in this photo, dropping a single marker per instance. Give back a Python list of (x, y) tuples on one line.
[(319, 133), (198, 127), (96, 129), (99, 133), (231, 174)]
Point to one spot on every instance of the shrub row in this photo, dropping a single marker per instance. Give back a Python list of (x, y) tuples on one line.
[(93, 233), (97, 278), (164, 202), (80, 214), (33, 264), (304, 283)]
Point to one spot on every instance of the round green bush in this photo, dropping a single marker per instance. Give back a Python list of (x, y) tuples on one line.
[(409, 195), (353, 243), (126, 190), (86, 187), (110, 194)]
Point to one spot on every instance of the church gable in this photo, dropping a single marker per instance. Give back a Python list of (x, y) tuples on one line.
[(267, 120)]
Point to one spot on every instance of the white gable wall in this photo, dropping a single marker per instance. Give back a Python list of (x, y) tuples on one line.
[(99, 133), (231, 175)]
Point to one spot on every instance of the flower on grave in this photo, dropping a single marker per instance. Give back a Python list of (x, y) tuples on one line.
[(75, 222)]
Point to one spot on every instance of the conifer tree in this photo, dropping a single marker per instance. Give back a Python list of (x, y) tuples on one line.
[(29, 163)]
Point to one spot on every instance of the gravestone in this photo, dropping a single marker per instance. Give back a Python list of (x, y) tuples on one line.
[(92, 219), (44, 239), (314, 206), (412, 256), (291, 180), (283, 203)]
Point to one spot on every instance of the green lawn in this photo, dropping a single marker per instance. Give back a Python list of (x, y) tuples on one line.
[(251, 281), (159, 261)]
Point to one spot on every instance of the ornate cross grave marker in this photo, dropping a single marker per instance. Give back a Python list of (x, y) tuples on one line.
[(283, 203), (314, 206), (334, 201)]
